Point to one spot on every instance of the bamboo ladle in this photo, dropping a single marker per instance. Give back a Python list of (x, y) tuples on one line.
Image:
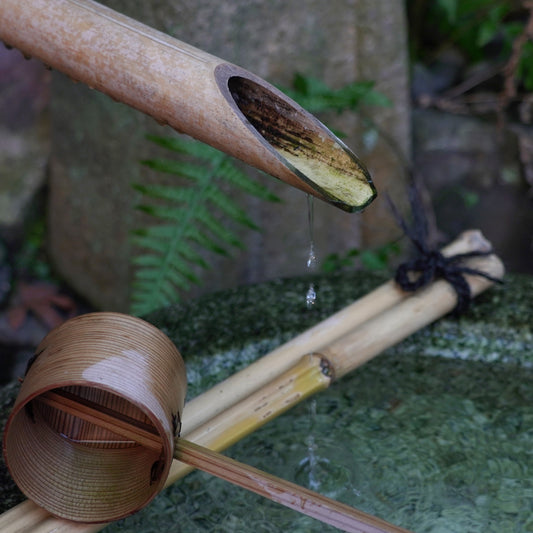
[(284, 492)]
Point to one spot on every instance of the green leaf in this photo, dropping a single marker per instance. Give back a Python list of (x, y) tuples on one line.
[(449, 7), (315, 96), (188, 219)]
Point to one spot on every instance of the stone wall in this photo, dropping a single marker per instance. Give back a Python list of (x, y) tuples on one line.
[(97, 143)]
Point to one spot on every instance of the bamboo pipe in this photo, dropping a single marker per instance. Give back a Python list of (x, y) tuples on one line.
[(217, 433), (194, 92), (411, 314), (238, 386)]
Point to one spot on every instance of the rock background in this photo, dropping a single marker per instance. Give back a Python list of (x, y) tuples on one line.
[(478, 174)]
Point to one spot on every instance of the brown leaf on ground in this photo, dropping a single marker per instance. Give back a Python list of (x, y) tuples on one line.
[(43, 301)]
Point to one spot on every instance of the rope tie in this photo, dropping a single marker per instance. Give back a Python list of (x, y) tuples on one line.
[(431, 264)]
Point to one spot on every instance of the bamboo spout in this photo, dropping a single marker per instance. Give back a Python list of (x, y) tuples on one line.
[(194, 92)]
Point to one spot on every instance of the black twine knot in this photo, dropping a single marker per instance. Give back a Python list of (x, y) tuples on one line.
[(431, 264)]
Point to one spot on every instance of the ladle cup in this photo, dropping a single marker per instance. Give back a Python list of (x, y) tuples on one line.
[(96, 423)]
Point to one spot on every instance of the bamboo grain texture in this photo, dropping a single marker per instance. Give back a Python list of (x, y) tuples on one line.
[(290, 495)]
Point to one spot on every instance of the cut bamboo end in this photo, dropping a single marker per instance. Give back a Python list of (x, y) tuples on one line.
[(194, 92), (309, 149)]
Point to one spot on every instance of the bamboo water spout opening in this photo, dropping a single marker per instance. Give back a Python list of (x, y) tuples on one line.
[(309, 149), (192, 91)]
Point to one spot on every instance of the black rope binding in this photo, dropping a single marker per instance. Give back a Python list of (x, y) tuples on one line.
[(431, 264)]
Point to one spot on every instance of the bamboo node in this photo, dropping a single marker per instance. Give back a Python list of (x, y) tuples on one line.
[(325, 366)]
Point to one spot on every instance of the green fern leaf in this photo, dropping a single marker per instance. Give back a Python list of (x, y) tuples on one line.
[(188, 147), (189, 218), (240, 179), (315, 96)]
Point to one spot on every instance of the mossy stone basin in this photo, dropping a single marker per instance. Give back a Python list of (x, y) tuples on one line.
[(434, 435)]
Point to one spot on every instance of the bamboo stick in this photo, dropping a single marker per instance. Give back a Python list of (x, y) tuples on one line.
[(218, 432), (238, 386), (98, 415), (271, 487), (398, 322), (288, 494), (194, 92), (309, 376)]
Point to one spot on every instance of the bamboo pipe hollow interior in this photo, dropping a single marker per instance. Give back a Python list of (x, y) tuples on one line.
[(194, 92)]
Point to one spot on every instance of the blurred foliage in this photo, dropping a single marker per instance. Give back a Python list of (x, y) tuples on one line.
[(30, 260), (317, 97), (371, 259), (480, 29), (190, 216)]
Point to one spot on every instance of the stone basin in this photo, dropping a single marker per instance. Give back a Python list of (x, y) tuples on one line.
[(434, 435)]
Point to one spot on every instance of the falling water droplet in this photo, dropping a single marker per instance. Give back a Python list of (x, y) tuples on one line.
[(311, 260), (310, 297)]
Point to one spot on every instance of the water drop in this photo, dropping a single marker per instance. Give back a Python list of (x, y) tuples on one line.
[(310, 297), (311, 259)]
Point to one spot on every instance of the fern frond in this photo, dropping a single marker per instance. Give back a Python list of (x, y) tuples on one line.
[(188, 147), (190, 218), (183, 169), (240, 179), (315, 96)]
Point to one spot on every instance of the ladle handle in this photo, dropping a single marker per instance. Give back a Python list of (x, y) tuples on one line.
[(291, 495), (276, 489)]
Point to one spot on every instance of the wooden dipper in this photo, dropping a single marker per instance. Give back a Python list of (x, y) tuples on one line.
[(96, 423)]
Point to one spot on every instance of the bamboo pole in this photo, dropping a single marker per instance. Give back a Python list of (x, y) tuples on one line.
[(401, 320), (344, 354), (238, 386), (290, 495), (194, 92)]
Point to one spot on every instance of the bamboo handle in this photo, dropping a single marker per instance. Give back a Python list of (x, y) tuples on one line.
[(284, 492), (121, 425), (289, 494)]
